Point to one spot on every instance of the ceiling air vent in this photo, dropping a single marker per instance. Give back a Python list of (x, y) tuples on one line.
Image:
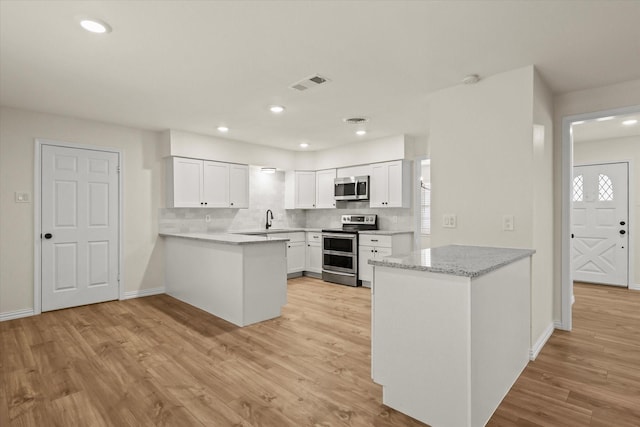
[(355, 120), (309, 83)]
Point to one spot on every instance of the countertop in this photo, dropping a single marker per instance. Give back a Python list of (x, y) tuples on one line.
[(227, 238), (386, 232), (275, 230), (456, 260)]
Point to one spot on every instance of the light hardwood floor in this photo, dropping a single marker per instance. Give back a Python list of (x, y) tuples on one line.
[(157, 361)]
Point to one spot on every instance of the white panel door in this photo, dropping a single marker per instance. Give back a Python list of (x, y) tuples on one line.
[(187, 183), (239, 186), (80, 226), (305, 190), (379, 185), (600, 224), (325, 189), (216, 185)]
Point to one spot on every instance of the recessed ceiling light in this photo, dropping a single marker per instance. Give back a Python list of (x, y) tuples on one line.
[(303, 145), (630, 122), (277, 109), (579, 122), (604, 119), (95, 26), (223, 129), (268, 170), (361, 132)]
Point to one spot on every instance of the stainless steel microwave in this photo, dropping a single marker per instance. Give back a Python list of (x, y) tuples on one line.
[(352, 188)]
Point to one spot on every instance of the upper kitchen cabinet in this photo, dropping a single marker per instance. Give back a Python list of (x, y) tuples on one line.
[(198, 183), (239, 186), (309, 189), (390, 185), (325, 185)]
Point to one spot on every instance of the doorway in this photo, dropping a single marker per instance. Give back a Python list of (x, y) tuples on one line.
[(573, 129), (78, 225)]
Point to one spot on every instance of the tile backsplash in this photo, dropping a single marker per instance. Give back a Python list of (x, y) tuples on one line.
[(266, 191)]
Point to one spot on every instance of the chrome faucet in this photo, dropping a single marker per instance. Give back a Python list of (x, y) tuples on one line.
[(268, 224)]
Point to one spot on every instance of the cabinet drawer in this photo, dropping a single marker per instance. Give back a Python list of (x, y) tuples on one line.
[(314, 237), (375, 240), (295, 237)]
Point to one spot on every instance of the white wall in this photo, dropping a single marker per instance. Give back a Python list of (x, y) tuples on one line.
[(143, 195), (619, 95), (612, 150), (484, 166)]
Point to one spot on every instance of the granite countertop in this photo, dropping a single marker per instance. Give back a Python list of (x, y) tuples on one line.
[(386, 232), (275, 230), (456, 260), (227, 238)]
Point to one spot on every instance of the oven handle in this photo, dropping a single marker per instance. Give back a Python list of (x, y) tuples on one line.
[(338, 272), (341, 236)]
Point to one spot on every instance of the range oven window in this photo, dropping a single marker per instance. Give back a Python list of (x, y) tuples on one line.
[(339, 262), (338, 244)]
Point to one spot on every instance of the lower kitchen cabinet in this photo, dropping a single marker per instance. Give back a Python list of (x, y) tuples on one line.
[(296, 252), (376, 246), (314, 253)]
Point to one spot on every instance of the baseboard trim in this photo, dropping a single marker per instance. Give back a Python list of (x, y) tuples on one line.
[(17, 314), (557, 324), (542, 340), (635, 287), (143, 293)]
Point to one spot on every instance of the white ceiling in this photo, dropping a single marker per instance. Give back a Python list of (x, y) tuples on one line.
[(193, 65)]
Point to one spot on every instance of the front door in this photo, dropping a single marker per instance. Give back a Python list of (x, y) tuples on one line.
[(80, 226), (600, 224)]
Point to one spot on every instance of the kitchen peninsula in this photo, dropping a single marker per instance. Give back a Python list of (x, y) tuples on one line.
[(450, 331), (239, 278)]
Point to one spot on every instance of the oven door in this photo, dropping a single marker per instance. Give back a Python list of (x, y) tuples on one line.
[(340, 253)]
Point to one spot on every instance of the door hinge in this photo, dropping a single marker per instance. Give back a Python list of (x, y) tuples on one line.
[(118, 169)]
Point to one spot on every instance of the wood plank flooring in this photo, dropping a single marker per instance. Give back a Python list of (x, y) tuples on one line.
[(587, 377), (157, 361)]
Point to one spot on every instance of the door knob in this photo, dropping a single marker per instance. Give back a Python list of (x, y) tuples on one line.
[(623, 232), (48, 236)]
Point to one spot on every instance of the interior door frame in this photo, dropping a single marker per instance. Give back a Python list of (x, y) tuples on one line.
[(566, 299), (37, 224)]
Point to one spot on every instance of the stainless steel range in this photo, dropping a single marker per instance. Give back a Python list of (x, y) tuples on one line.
[(340, 249)]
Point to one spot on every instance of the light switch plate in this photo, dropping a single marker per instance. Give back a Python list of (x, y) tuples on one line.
[(22, 197), (449, 221)]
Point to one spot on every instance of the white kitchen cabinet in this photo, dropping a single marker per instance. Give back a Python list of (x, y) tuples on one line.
[(300, 190), (376, 246), (390, 185), (296, 252), (325, 188), (239, 186), (199, 183), (314, 253), (216, 184)]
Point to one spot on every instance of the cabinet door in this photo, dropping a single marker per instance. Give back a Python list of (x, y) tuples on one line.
[(394, 185), (365, 270), (295, 257), (239, 186), (325, 182), (382, 252), (314, 258), (305, 190), (216, 185), (379, 185), (187, 183)]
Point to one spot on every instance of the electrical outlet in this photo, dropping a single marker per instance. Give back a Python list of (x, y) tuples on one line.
[(507, 223), (207, 218)]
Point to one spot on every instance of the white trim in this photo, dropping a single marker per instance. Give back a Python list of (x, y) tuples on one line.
[(17, 314), (573, 299), (557, 324), (565, 206), (37, 253), (541, 341), (143, 293), (634, 287)]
